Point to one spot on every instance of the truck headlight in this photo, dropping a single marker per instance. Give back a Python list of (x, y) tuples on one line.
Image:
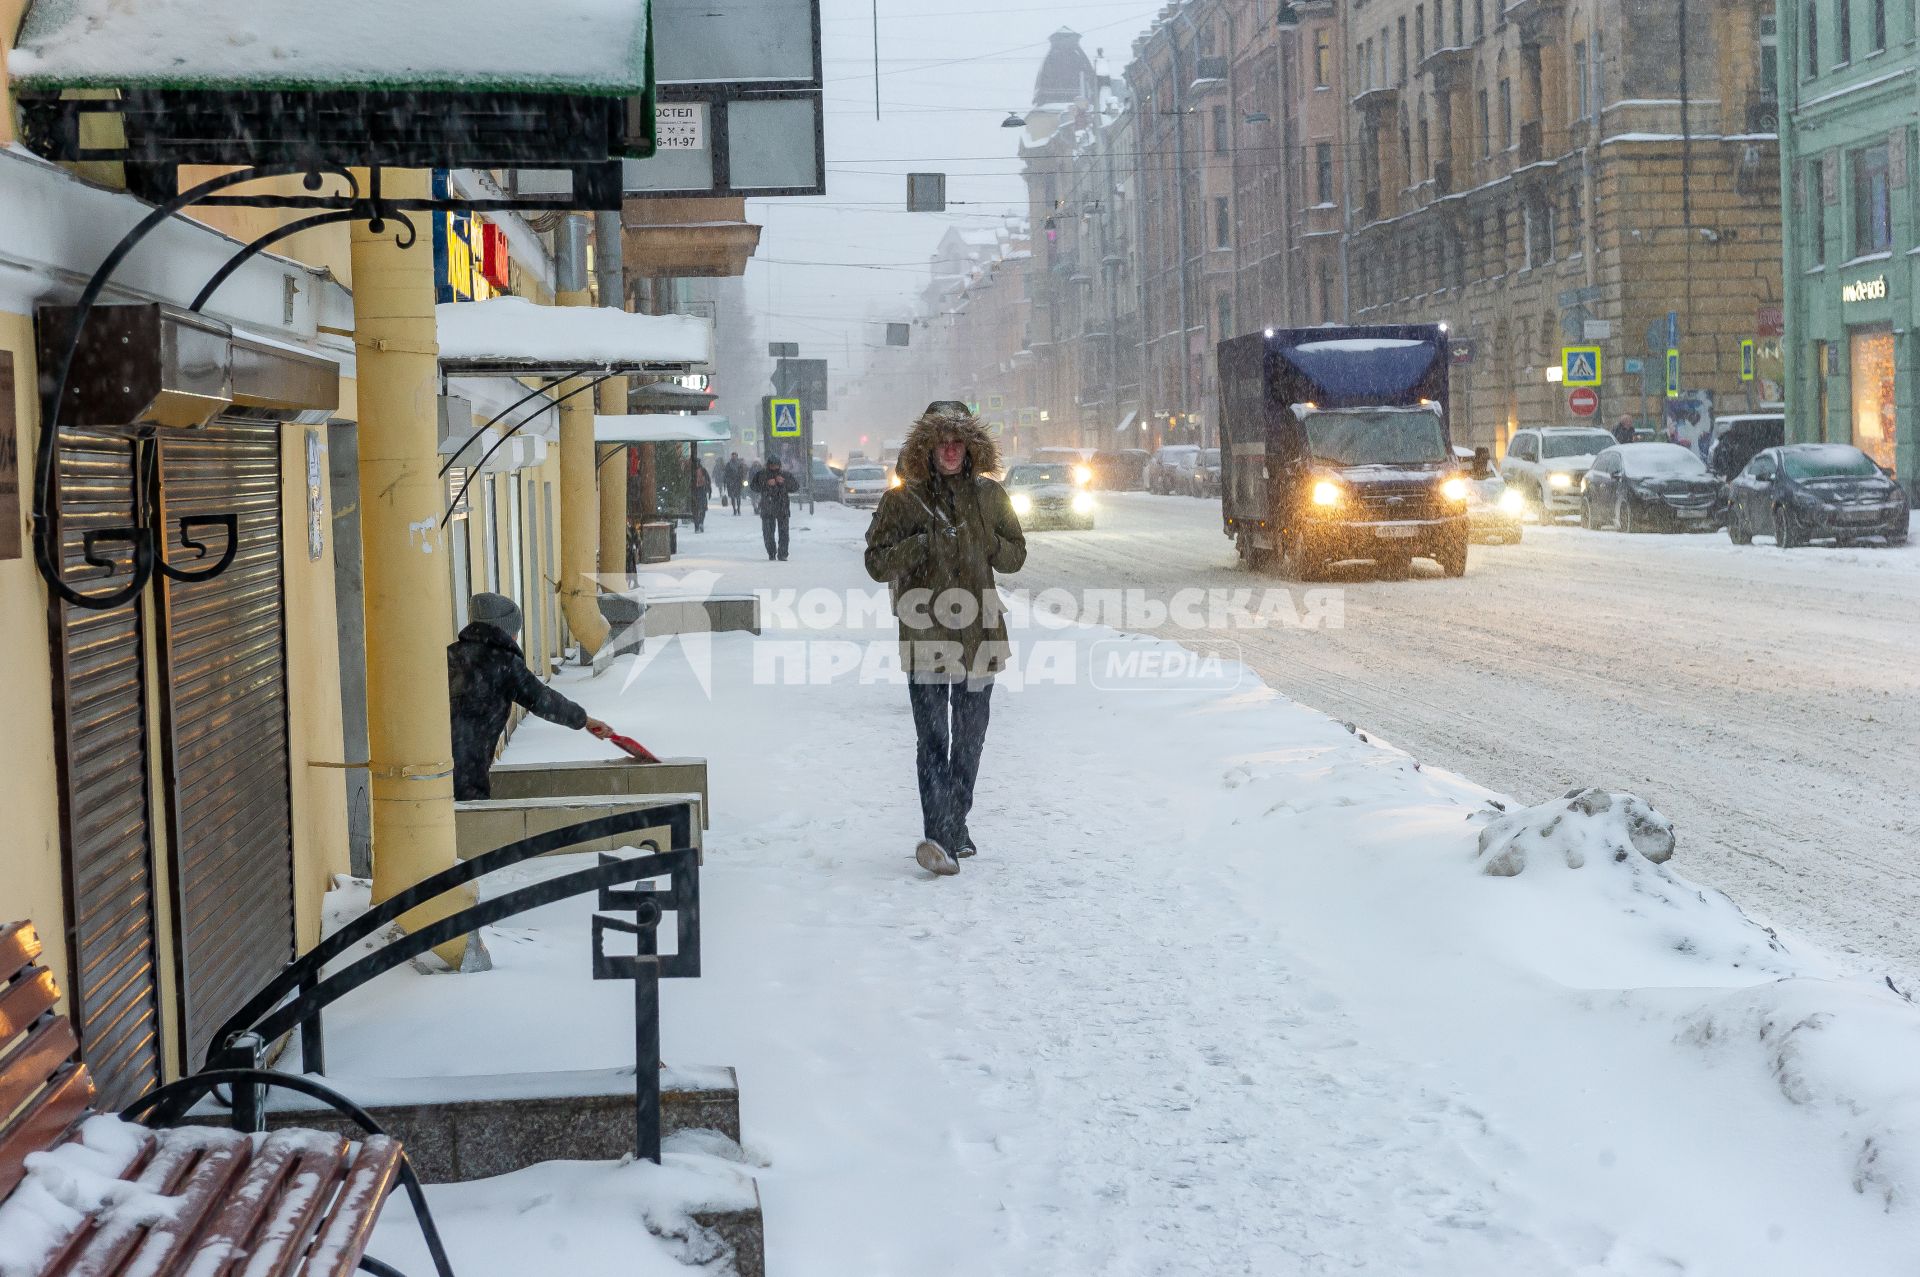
[(1082, 475), (1022, 504), (1454, 489), (1083, 503), (1511, 502), (1326, 493), (1560, 482)]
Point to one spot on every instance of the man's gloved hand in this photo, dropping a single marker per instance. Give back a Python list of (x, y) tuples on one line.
[(598, 729)]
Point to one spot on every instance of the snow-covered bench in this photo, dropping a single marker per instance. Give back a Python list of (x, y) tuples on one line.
[(86, 1194)]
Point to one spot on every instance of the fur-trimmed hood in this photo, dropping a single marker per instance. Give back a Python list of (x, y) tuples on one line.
[(935, 428)]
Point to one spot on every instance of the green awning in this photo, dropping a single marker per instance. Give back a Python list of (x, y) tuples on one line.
[(591, 47)]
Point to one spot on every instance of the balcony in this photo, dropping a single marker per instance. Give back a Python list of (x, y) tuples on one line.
[(1447, 66), (1376, 101)]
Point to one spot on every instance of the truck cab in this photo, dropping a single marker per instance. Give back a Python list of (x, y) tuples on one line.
[(1335, 446)]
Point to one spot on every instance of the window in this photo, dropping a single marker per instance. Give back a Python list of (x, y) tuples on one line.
[(1817, 212), (1843, 38), (1872, 201), (1459, 23), (1506, 114), (1439, 23), (1810, 22), (1223, 308), (1403, 49), (1323, 171), (1326, 291), (1582, 86), (1219, 130), (1486, 126), (1426, 156), (1479, 18), (1872, 383), (1419, 33), (1222, 223), (1879, 25), (1386, 55), (1322, 58), (1522, 448)]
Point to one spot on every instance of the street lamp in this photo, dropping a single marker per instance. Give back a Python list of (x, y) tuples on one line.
[(1014, 120)]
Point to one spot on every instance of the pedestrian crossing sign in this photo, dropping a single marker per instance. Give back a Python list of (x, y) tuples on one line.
[(1673, 374), (1580, 365), (784, 420), (1746, 361)]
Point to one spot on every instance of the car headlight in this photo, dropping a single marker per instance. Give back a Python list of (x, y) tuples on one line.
[(1083, 503), (1082, 475), (896, 482), (1560, 482), (1511, 502), (1455, 489), (1326, 493), (1022, 504)]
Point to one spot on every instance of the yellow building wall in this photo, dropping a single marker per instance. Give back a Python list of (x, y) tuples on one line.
[(31, 885)]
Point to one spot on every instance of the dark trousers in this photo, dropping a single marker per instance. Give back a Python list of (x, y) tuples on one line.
[(733, 499), (951, 721), (773, 528), (699, 514)]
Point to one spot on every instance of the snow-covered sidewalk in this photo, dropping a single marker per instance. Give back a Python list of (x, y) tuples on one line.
[(1226, 991)]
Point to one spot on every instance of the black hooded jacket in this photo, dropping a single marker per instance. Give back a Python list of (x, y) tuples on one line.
[(486, 677)]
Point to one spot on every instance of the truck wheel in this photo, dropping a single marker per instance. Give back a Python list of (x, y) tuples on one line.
[(1298, 562), (1452, 557)]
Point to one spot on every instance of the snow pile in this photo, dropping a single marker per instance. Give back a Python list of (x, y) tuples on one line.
[(72, 1183), (631, 1217), (1586, 825), (1842, 1052)]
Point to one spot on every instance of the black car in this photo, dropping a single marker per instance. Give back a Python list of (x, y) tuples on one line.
[(1637, 487), (1806, 490)]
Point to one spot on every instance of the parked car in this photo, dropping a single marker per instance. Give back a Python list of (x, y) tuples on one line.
[(1493, 509), (1046, 495), (1172, 467), (1802, 491), (1636, 487), (1121, 471), (826, 483), (1205, 479), (1740, 438), (864, 485), (1545, 464)]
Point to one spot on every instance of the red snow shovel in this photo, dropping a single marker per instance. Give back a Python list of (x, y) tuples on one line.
[(628, 745)]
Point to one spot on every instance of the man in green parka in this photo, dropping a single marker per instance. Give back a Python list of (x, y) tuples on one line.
[(937, 540)]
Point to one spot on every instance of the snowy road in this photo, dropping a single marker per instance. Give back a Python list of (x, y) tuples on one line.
[(1768, 701)]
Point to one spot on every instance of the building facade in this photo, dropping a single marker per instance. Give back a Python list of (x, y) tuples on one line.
[(1849, 86)]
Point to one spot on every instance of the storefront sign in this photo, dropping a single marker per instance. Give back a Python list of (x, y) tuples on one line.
[(1865, 290), (9, 463), (316, 503), (681, 126)]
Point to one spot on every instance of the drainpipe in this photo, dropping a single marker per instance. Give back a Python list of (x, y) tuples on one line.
[(407, 585), (609, 269), (579, 501), (1180, 211)]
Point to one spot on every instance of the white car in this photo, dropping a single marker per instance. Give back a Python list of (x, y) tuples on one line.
[(865, 485), (1047, 495), (1545, 465)]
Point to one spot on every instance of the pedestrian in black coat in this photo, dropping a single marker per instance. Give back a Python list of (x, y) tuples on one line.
[(486, 677), (733, 477), (702, 494), (775, 488)]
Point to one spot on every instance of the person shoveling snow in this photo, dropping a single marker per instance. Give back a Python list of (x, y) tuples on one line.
[(486, 677)]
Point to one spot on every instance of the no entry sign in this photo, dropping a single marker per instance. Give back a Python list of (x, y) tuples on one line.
[(1583, 402)]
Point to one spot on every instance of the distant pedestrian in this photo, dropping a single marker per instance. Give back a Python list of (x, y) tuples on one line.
[(733, 477), (486, 677), (1623, 431), (773, 490), (702, 494), (937, 541)]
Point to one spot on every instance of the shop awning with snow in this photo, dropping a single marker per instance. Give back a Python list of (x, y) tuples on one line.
[(511, 336), (667, 396), (661, 428), (307, 86)]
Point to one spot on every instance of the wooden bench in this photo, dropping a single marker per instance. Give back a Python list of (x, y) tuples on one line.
[(295, 1203)]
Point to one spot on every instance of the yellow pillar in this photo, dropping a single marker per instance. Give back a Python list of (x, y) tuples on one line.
[(613, 490), (579, 498), (408, 584)]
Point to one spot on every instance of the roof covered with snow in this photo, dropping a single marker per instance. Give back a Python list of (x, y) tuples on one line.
[(666, 427), (584, 46), (512, 334)]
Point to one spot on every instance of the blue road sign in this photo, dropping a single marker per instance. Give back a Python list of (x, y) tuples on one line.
[(785, 423), (1673, 329)]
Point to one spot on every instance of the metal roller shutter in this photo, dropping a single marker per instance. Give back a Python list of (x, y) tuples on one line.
[(224, 720), (101, 724)]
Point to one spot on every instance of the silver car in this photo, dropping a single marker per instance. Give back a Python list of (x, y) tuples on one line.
[(1546, 464), (1046, 495), (864, 485)]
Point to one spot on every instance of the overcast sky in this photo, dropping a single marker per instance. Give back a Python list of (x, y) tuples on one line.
[(949, 74)]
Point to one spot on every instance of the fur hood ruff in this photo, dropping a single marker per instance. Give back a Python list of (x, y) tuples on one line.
[(935, 428)]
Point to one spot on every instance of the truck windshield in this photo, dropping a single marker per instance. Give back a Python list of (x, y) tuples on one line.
[(1375, 438)]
